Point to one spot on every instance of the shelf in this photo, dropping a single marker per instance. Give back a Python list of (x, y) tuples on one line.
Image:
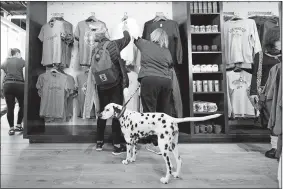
[(204, 33), (205, 13), (220, 92), (219, 72), (208, 113), (209, 135), (206, 52)]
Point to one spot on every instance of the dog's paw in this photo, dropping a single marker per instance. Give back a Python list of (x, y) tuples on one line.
[(125, 162), (132, 160), (175, 175), (164, 180)]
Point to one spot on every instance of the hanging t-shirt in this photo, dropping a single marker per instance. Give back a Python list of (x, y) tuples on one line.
[(81, 81), (53, 90), (86, 38), (172, 29), (133, 85), (128, 53), (68, 40), (51, 35), (241, 41), (238, 85)]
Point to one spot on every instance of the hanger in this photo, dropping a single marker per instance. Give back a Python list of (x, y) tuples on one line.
[(236, 16), (159, 16), (237, 69), (57, 16), (125, 16), (54, 70), (92, 18)]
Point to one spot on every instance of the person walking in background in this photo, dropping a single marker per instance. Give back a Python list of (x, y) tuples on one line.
[(155, 76), (12, 84)]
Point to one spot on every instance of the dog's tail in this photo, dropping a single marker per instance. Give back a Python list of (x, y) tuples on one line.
[(192, 119)]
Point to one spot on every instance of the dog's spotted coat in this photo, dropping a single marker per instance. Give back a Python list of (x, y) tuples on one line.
[(135, 126)]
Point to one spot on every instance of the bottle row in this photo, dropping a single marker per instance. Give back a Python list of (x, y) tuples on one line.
[(202, 107), (204, 48), (203, 29), (207, 128), (205, 68), (204, 7), (206, 86)]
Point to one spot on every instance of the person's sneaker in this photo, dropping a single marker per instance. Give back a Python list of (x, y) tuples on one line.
[(99, 146), (118, 151), (152, 148), (271, 153)]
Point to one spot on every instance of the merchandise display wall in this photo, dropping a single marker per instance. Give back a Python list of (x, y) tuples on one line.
[(195, 33)]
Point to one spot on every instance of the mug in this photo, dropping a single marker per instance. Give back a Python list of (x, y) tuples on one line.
[(209, 68), (209, 128), (196, 129), (202, 28), (203, 128), (203, 68), (206, 48), (192, 28), (214, 68), (197, 68), (194, 47), (196, 29), (214, 28), (217, 129), (208, 28), (199, 48), (214, 47)]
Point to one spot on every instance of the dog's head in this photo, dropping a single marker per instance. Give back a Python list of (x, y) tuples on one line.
[(111, 110)]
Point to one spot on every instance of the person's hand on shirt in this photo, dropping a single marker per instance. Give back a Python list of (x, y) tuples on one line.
[(255, 98), (125, 26), (126, 93)]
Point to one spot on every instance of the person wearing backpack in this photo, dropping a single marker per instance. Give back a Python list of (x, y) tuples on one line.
[(111, 80)]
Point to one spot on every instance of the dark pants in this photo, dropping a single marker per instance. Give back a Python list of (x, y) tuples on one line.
[(156, 95), (112, 95), (14, 91)]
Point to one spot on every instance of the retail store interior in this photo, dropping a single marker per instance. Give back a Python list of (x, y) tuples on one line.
[(222, 59)]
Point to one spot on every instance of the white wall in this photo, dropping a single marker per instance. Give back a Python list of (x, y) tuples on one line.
[(12, 36), (243, 7), (109, 12)]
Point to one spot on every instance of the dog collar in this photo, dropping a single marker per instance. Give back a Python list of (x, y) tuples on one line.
[(122, 112)]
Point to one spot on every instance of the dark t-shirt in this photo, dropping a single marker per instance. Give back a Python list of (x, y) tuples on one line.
[(155, 60), (13, 67)]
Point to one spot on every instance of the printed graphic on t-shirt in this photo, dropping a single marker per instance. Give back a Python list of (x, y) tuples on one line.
[(89, 38), (84, 88), (237, 31)]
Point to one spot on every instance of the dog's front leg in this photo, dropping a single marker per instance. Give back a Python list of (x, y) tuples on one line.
[(134, 151), (129, 149)]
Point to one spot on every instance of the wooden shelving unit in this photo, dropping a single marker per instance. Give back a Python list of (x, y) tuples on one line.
[(208, 57)]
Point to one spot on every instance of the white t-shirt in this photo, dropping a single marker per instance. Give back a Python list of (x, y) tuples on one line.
[(241, 41), (129, 52), (239, 103)]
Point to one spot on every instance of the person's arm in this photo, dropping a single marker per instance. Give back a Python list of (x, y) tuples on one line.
[(123, 42), (179, 50)]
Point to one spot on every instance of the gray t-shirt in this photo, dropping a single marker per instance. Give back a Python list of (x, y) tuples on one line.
[(155, 61), (13, 67), (53, 90)]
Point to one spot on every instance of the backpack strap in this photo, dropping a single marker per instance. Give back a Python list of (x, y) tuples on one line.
[(105, 45)]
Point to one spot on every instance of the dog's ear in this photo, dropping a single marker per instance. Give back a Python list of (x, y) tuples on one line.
[(117, 111)]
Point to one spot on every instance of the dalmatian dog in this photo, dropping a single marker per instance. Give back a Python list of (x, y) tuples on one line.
[(135, 126)]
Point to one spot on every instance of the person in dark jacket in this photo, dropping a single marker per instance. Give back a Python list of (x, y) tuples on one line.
[(113, 93), (155, 77), (12, 84), (272, 55)]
